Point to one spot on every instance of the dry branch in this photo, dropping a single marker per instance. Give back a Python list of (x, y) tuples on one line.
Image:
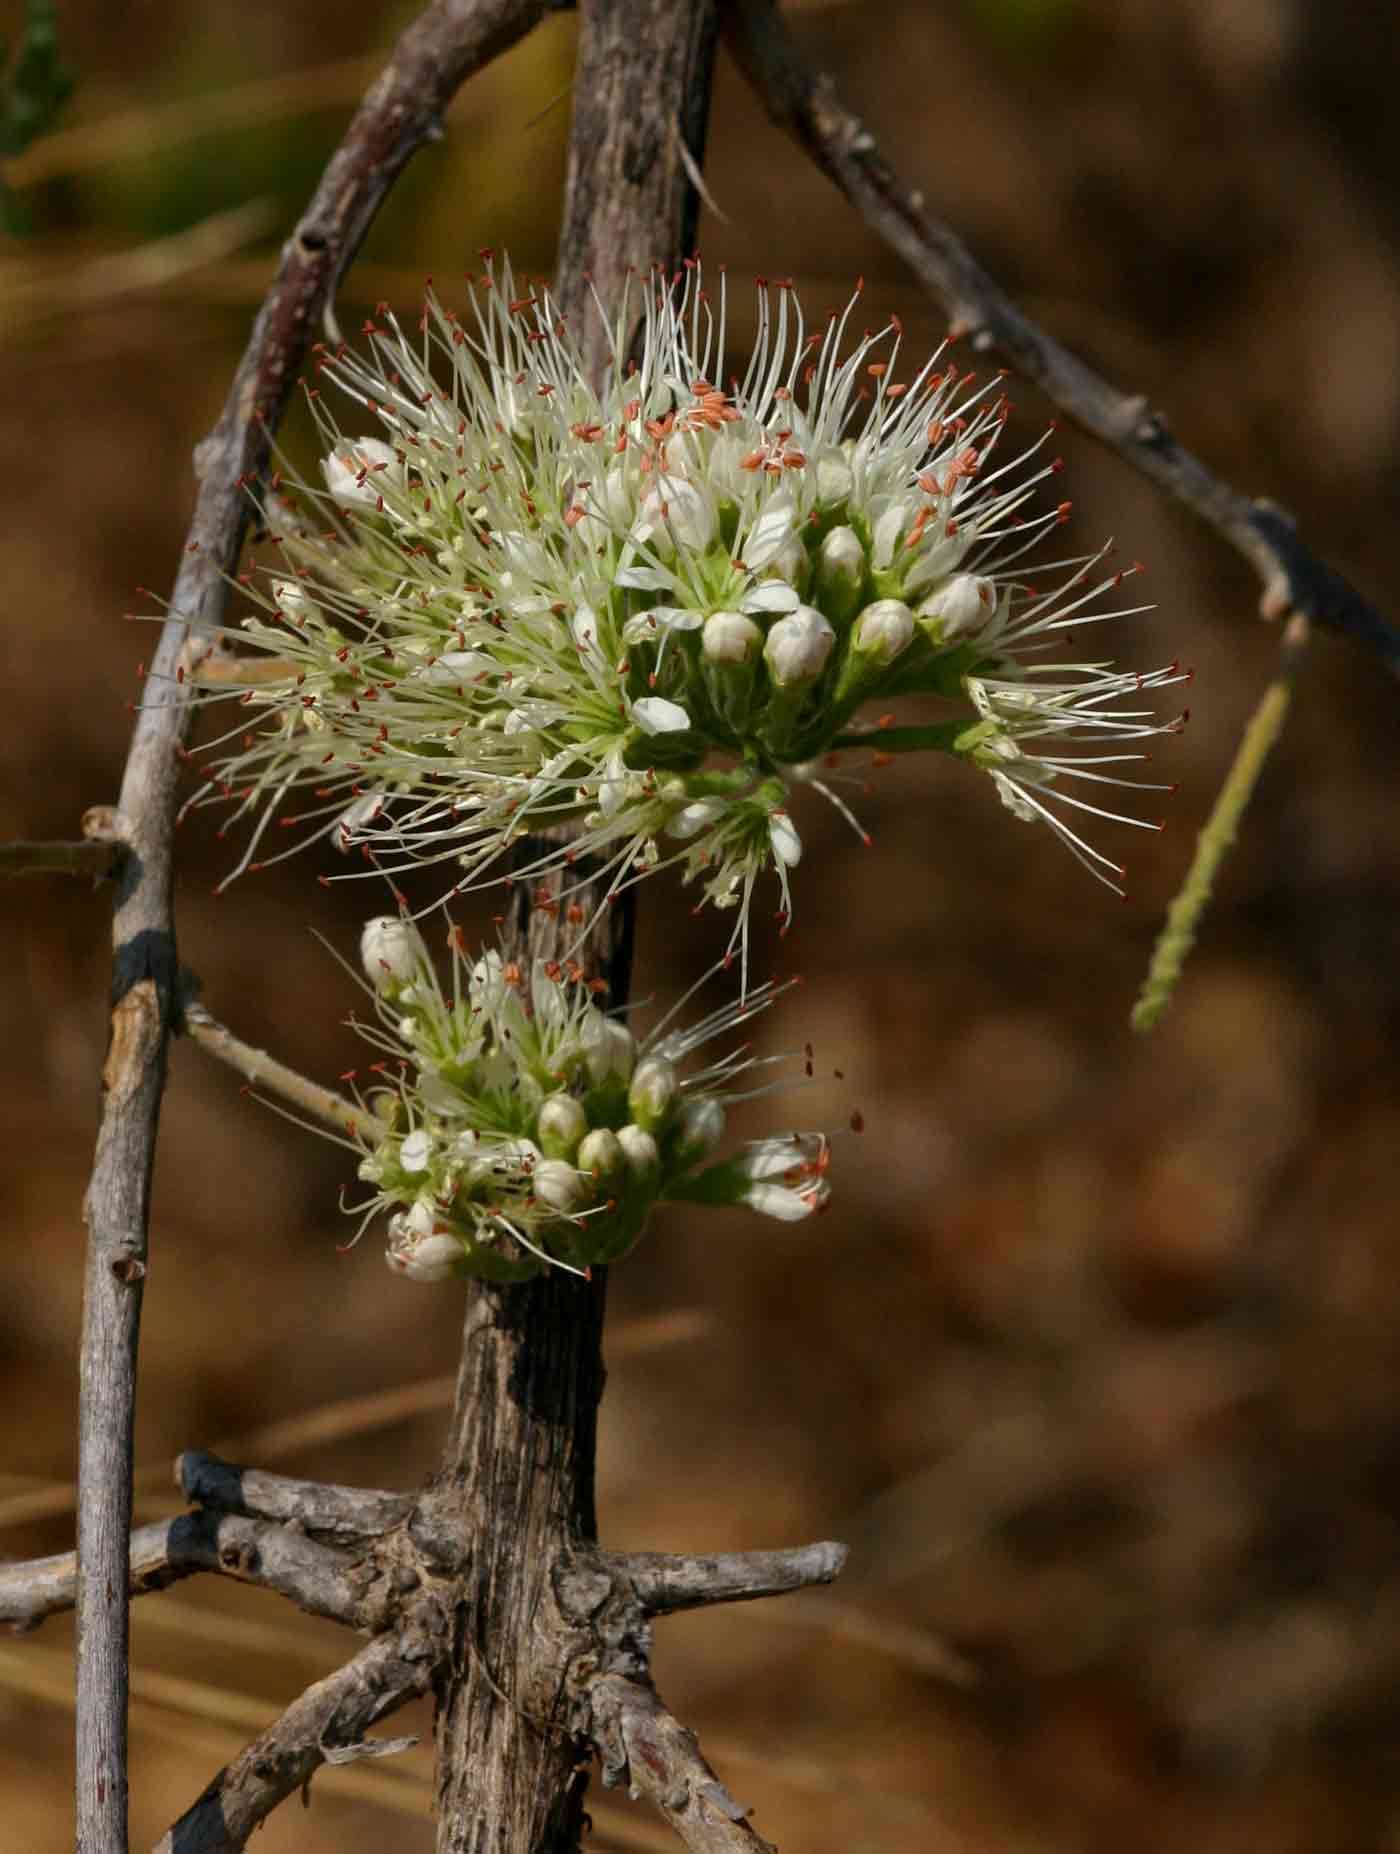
[(805, 104), (665, 1583), (644, 1746), (355, 1513), (329, 1718), (254, 1551), (431, 58)]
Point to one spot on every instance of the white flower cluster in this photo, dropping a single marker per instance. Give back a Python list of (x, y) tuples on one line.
[(522, 1128), (647, 610)]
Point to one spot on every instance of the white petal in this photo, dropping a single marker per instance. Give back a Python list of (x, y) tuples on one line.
[(654, 715), (768, 536), (772, 596), (787, 845), (775, 1200)]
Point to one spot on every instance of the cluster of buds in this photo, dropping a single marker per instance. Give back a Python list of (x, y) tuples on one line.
[(514, 1126), (648, 610)]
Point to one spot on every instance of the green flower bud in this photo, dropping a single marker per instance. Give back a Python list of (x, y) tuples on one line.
[(610, 1050), (561, 1125), (884, 631), (641, 1152), (558, 1184), (961, 607), (699, 1128), (600, 1158), (655, 1087), (840, 575)]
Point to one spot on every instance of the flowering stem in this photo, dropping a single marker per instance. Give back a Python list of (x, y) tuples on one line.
[(938, 737), (265, 1073), (1178, 935)]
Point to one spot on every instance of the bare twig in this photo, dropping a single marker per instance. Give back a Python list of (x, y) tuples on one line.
[(260, 1070), (657, 1757), (665, 1583), (333, 1714), (449, 40), (254, 1551), (341, 1512), (806, 105)]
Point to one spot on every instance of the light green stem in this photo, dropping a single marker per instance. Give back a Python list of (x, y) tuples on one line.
[(1178, 933)]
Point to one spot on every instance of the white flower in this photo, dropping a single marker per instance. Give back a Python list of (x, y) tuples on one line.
[(355, 472), (499, 631), (391, 951)]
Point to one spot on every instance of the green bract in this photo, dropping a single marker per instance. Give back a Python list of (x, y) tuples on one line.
[(520, 1127), (650, 610)]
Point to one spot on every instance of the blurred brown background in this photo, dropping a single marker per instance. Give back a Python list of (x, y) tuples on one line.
[(1095, 1359)]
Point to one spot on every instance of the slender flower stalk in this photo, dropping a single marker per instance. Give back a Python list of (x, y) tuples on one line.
[(647, 611), (513, 1126)]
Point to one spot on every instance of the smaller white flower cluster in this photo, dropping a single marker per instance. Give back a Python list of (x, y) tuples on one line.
[(522, 1128)]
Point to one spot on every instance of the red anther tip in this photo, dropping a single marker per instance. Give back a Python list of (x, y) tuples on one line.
[(857, 1122)]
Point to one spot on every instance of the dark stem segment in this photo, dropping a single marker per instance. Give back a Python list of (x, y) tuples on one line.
[(516, 1485), (318, 1507), (806, 105), (449, 40)]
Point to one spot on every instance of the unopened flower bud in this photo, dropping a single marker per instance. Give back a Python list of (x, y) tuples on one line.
[(834, 480), (641, 1152), (797, 647), (655, 1086), (729, 637), (416, 1151), (391, 951), (600, 1157), (562, 1124), (960, 607), (610, 1049), (792, 564), (884, 630), (840, 575), (558, 1184), (677, 511), (699, 1128), (351, 469)]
